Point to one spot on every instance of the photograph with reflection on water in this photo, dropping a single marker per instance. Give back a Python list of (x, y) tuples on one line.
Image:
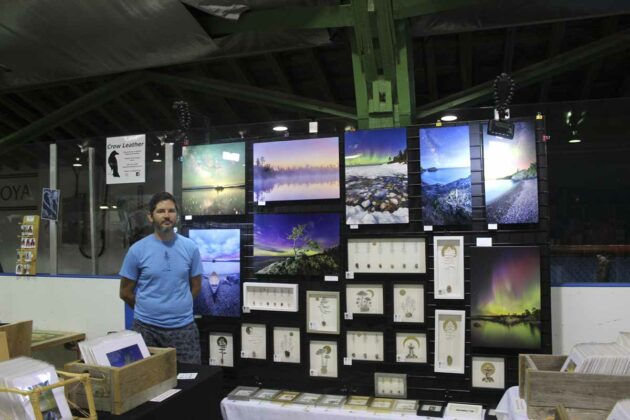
[(506, 297), (296, 170), (220, 251), (213, 179)]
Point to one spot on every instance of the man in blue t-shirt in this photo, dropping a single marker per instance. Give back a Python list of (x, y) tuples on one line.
[(160, 277)]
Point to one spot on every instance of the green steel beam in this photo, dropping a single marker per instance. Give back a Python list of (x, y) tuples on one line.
[(255, 95), (75, 108), (405, 86), (536, 72), (280, 19), (555, 43)]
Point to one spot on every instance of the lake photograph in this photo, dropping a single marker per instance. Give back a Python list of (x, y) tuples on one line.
[(376, 176), (505, 297), (445, 175), (296, 170)]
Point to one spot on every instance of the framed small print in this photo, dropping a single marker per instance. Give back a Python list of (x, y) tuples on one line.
[(221, 349), (411, 347), (286, 396), (242, 393), (488, 372), (431, 410), (286, 345), (307, 398), (387, 255), (365, 345), (323, 358), (265, 394), (382, 404), (390, 385), (448, 268), (355, 402), (253, 341), (409, 303), (405, 406), (364, 299), (322, 312), (463, 411), (449, 341), (329, 400), (270, 296)]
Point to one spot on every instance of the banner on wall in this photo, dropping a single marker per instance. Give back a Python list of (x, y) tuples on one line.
[(125, 159), (50, 204)]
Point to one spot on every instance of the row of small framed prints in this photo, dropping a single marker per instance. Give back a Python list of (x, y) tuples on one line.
[(368, 346), (323, 307), (377, 404)]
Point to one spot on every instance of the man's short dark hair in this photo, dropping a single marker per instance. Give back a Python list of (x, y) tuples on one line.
[(158, 197)]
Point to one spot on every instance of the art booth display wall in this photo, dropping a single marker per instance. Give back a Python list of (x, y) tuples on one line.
[(416, 256)]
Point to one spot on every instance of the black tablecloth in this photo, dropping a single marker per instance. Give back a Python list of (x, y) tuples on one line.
[(199, 398)]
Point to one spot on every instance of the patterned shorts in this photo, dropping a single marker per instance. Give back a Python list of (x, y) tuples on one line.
[(184, 339)]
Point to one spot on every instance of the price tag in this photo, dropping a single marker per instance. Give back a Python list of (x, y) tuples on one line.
[(188, 217), (213, 361), (347, 361), (313, 372), (399, 358), (484, 241), (331, 278), (428, 228), (276, 357), (243, 354), (246, 309), (184, 376), (262, 203), (397, 317), (354, 226), (493, 226), (349, 275), (312, 325), (347, 315)]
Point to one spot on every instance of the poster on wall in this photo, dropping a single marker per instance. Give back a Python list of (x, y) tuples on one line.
[(505, 297), (296, 170), (296, 244), (511, 177), (125, 159), (220, 251), (213, 179), (445, 175), (50, 204), (376, 177)]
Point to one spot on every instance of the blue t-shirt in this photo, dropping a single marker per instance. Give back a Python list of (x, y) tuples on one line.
[(162, 272)]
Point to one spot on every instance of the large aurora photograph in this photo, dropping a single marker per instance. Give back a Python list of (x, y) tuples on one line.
[(296, 244), (213, 179), (296, 170), (376, 176), (505, 302), (511, 178), (221, 280), (445, 175)]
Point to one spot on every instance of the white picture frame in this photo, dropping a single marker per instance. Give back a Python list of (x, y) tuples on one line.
[(221, 349), (409, 303), (449, 352), (322, 312), (463, 411), (411, 347), (365, 346), (253, 341), (488, 372), (323, 358), (448, 267), (390, 385), (286, 345), (280, 297), (387, 255), (364, 299)]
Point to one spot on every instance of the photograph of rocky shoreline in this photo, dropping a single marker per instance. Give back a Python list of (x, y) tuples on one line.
[(445, 175), (505, 297), (376, 177), (511, 177)]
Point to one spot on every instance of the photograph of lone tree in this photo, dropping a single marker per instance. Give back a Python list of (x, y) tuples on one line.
[(445, 175), (505, 297), (511, 178), (296, 244), (296, 170), (376, 177)]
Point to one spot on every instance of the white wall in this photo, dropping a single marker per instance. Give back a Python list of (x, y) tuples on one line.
[(89, 305), (588, 314)]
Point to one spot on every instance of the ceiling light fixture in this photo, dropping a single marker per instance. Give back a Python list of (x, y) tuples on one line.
[(574, 141), (77, 162), (280, 128), (449, 118)]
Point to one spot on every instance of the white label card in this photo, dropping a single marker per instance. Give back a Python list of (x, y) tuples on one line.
[(493, 226), (399, 358), (165, 395), (191, 375), (188, 217), (484, 241), (313, 372), (428, 228), (397, 317), (347, 361), (262, 203), (347, 315), (331, 278), (312, 324), (354, 226), (349, 275), (243, 353), (276, 357), (246, 309)]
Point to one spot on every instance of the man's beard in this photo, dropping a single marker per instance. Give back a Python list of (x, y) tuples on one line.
[(163, 228)]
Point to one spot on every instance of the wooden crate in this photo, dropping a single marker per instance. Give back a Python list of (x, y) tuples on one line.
[(18, 338), (118, 390), (543, 387)]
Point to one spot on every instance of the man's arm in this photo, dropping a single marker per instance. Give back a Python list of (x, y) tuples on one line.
[(195, 285), (127, 292)]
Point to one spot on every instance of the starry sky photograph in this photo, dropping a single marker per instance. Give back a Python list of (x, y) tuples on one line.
[(271, 232), (374, 147), (445, 147), (213, 165), (505, 280)]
